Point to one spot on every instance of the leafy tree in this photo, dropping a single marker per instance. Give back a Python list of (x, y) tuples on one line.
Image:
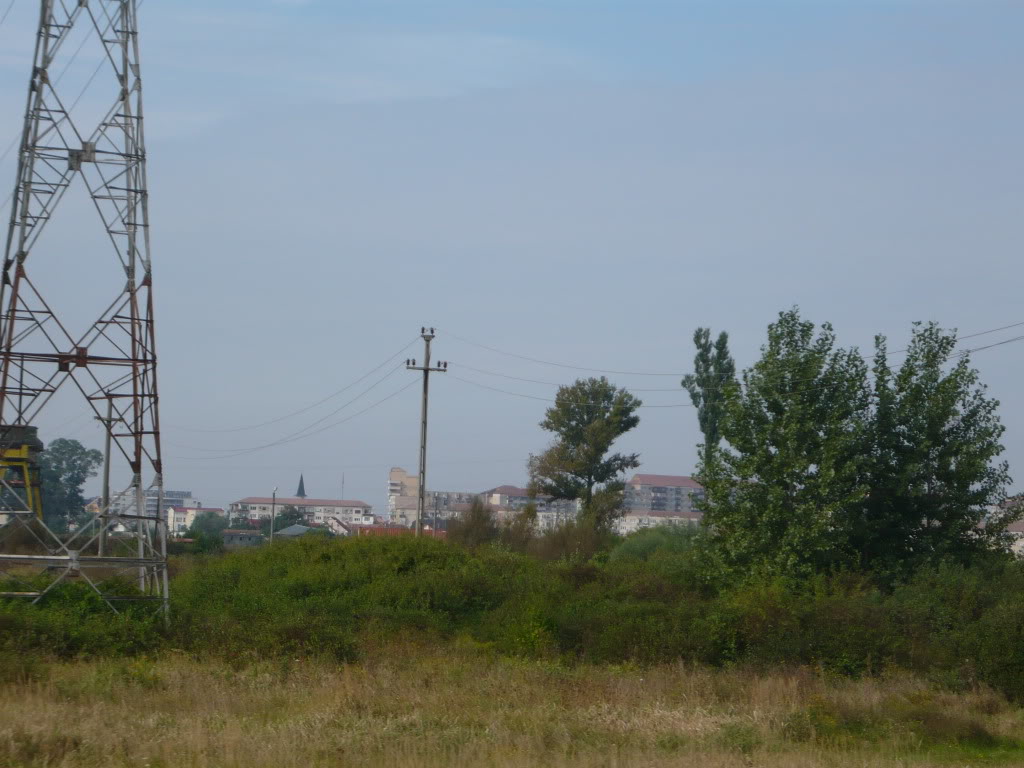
[(64, 467), (714, 370), (823, 468), (473, 527), (207, 523), (933, 478), (587, 417), (777, 496), (206, 531)]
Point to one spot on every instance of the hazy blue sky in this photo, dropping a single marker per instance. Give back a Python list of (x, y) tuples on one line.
[(580, 182)]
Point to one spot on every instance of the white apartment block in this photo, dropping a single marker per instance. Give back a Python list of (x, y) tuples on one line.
[(180, 519), (653, 500), (662, 493), (631, 522), (314, 510), (124, 503)]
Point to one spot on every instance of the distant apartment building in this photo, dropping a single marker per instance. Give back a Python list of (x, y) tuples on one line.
[(403, 496), (124, 504), (504, 501), (350, 512), (653, 500), (662, 493), (180, 519), (508, 500)]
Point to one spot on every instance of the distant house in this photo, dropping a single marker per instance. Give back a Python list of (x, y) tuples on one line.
[(294, 530), (240, 538)]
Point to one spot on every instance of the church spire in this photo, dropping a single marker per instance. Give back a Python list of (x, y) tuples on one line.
[(301, 493)]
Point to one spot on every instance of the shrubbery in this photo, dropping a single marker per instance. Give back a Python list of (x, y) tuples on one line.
[(653, 597)]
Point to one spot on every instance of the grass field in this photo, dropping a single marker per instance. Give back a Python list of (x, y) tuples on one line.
[(460, 706)]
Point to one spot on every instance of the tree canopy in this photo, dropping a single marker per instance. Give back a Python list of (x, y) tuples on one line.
[(64, 466), (586, 419), (823, 468), (714, 371)]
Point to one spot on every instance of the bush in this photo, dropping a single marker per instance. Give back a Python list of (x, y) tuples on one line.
[(655, 597)]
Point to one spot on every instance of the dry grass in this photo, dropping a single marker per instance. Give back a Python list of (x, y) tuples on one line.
[(424, 707)]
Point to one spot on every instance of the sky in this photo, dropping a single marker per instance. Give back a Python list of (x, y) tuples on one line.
[(581, 183)]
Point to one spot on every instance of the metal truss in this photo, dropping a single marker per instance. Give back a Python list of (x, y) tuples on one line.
[(112, 362)]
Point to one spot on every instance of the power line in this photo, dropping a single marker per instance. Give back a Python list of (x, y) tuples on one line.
[(247, 451), (308, 407), (961, 354), (299, 432), (641, 373), (966, 352), (558, 365), (551, 400), (554, 383), (4, 17)]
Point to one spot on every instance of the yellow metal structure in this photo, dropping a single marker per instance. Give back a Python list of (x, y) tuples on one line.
[(20, 472)]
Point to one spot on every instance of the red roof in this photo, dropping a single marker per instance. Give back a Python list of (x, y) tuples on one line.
[(666, 481), (297, 502)]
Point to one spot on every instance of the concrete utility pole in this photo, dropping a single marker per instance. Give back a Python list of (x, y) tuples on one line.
[(442, 367), (108, 424), (273, 513)]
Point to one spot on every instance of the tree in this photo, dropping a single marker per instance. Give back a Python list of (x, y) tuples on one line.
[(933, 477), (777, 496), (587, 417), (207, 523), (64, 466), (206, 530), (714, 371), (474, 526), (823, 468)]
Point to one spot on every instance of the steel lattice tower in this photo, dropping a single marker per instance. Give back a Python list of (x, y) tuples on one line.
[(112, 362)]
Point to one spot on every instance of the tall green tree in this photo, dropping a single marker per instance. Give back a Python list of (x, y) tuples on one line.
[(206, 530), (64, 467), (587, 418), (714, 371), (823, 467), (935, 484), (778, 493)]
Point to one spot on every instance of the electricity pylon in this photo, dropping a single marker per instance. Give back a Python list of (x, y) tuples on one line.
[(110, 362)]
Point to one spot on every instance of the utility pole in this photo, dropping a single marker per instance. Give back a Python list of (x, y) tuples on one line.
[(108, 424), (442, 367), (273, 511)]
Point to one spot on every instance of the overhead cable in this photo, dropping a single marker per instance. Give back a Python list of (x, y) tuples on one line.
[(326, 427), (308, 407)]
